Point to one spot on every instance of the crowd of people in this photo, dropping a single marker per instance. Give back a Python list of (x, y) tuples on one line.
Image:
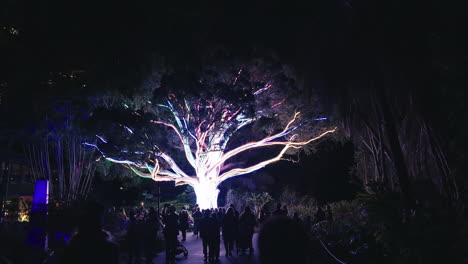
[(142, 226)]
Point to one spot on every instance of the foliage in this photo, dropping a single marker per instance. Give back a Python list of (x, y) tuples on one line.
[(187, 196), (348, 228), (408, 235), (304, 205), (234, 198), (256, 200), (376, 228)]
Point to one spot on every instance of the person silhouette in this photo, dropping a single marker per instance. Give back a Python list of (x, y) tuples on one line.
[(247, 224), (282, 240), (207, 227), (215, 238), (91, 243), (171, 231), (229, 230), (197, 215), (183, 223), (151, 227), (319, 215)]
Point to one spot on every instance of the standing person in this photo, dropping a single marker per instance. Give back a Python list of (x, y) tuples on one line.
[(220, 216), (133, 238), (206, 234), (111, 220), (229, 231), (247, 224), (236, 219), (123, 219), (194, 209), (142, 212), (171, 231), (165, 211), (264, 214), (183, 222), (285, 211), (197, 215), (91, 244), (215, 239), (150, 234), (319, 215)]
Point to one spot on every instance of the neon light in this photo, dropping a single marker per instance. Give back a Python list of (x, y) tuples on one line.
[(279, 103), (101, 138), (259, 91), (128, 129)]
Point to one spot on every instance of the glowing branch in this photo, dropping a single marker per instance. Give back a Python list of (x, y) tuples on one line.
[(287, 145), (261, 143), (184, 140), (172, 164), (241, 171)]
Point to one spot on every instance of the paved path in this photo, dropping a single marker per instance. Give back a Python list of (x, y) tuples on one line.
[(194, 246), (195, 256)]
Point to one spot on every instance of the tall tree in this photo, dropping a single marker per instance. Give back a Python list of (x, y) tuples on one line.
[(199, 127)]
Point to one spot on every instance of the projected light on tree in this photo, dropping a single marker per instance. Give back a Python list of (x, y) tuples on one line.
[(204, 123)]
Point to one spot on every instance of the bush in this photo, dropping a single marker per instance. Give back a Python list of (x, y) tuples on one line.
[(303, 205), (256, 201)]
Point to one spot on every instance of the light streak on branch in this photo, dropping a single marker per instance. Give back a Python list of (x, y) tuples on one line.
[(279, 103)]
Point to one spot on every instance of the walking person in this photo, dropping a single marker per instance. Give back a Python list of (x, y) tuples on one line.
[(264, 214), (171, 231), (229, 231), (204, 227), (133, 238), (150, 234), (236, 219), (183, 222), (215, 238), (197, 215), (247, 224)]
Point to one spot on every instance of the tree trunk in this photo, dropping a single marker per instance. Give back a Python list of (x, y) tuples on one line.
[(207, 194)]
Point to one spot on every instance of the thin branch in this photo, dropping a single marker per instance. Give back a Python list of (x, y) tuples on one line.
[(287, 145), (266, 142)]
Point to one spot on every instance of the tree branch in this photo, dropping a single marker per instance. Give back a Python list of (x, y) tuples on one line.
[(267, 142), (287, 145), (184, 140), (241, 171)]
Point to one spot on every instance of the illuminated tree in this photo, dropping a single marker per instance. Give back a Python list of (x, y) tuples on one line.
[(213, 117)]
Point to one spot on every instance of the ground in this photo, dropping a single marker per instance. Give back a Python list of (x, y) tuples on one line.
[(194, 247)]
